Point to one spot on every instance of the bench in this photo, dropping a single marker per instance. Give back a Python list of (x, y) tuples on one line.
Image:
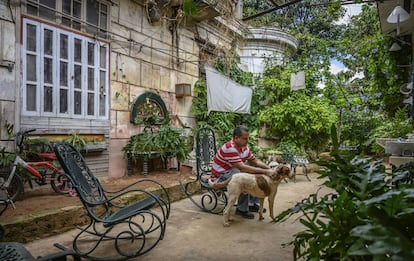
[(121, 224), (297, 161), (353, 149), (211, 200)]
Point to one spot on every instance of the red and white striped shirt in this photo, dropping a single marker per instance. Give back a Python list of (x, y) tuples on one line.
[(228, 155)]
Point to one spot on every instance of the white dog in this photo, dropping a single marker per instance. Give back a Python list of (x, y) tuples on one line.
[(260, 186)]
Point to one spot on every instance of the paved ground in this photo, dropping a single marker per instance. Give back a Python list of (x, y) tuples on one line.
[(195, 235)]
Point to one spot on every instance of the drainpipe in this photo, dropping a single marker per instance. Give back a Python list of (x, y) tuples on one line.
[(412, 92), (412, 77)]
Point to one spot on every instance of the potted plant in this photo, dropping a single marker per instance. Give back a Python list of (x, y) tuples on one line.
[(171, 142), (167, 141)]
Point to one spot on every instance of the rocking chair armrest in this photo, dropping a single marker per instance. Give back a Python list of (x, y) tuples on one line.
[(135, 183), (122, 194)]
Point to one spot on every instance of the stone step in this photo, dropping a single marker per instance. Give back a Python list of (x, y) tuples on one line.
[(46, 223)]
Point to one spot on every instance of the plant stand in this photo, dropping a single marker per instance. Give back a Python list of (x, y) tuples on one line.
[(145, 157)]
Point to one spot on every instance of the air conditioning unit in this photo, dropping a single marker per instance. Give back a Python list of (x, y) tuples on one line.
[(182, 89)]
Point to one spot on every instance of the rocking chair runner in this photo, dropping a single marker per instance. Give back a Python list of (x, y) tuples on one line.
[(211, 200), (122, 224)]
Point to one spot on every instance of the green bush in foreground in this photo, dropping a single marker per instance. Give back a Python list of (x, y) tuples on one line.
[(367, 218)]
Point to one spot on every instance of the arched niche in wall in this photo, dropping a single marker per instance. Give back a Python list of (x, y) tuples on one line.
[(149, 109)]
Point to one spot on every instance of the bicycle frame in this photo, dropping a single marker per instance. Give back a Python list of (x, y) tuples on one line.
[(42, 172), (28, 166)]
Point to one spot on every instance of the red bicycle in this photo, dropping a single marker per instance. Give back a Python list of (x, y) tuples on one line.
[(42, 172)]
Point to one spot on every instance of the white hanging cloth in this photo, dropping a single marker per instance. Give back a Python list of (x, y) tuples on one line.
[(297, 81), (226, 95)]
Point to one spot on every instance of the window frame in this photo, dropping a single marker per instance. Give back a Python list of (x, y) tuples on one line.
[(56, 73), (58, 16)]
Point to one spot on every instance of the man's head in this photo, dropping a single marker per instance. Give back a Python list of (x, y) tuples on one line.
[(241, 135)]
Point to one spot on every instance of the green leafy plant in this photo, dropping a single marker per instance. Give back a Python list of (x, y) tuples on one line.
[(76, 140), (140, 144), (366, 218), (9, 128), (171, 141), (34, 146), (189, 8), (167, 141), (300, 120), (6, 158)]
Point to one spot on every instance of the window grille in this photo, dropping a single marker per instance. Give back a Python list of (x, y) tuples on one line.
[(90, 16)]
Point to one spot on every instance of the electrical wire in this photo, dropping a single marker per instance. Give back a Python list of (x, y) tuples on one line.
[(125, 43)]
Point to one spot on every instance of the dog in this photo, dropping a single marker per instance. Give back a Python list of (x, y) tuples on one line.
[(260, 186), (276, 161), (273, 164)]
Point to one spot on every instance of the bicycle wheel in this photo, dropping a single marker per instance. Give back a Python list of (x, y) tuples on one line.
[(60, 183), (16, 185)]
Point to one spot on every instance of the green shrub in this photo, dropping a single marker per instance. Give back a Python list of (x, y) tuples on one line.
[(367, 218), (168, 141)]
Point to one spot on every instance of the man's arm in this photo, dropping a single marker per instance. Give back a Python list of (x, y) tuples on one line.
[(259, 163), (255, 169)]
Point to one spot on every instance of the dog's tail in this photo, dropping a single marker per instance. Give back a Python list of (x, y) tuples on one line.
[(219, 185)]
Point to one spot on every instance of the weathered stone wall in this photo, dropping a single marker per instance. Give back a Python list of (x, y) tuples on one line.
[(8, 85), (146, 57)]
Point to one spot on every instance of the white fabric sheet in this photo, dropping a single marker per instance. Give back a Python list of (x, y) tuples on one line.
[(297, 81), (226, 95)]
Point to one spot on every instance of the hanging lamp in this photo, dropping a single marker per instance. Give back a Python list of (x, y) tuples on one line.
[(397, 16), (395, 47)]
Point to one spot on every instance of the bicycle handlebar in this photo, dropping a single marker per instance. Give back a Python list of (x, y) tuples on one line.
[(29, 130), (20, 137)]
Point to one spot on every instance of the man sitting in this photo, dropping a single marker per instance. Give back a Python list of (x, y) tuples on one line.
[(231, 159)]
